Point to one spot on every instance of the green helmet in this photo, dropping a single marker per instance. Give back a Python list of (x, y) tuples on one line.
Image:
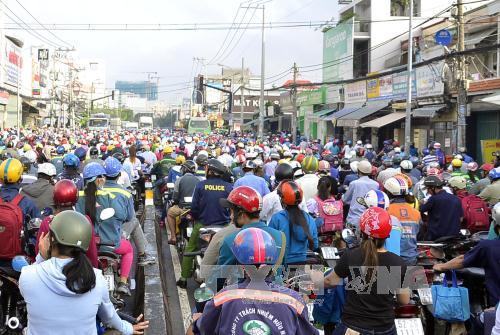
[(310, 164), (71, 229)]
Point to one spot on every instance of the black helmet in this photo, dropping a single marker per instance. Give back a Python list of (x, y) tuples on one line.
[(216, 167), (433, 181), (94, 151), (188, 167), (345, 162), (201, 159), (26, 163), (119, 156), (283, 172)]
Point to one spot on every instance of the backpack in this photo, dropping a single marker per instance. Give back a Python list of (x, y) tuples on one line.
[(332, 213), (476, 216), (11, 228)]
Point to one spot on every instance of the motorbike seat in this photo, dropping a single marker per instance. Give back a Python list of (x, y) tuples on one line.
[(108, 251), (9, 271)]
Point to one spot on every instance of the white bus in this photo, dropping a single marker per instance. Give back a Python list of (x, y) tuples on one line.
[(99, 121)]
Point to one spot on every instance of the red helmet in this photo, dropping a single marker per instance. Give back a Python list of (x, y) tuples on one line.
[(103, 148), (290, 193), (324, 166), (300, 158), (240, 158), (376, 222), (65, 193), (245, 198)]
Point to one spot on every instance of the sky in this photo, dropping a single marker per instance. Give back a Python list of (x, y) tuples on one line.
[(170, 53)]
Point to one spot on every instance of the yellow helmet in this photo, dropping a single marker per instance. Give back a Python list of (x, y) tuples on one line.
[(180, 159), (11, 171), (168, 150), (456, 163), (26, 147)]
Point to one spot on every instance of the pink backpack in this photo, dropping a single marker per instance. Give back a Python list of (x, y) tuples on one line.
[(332, 212)]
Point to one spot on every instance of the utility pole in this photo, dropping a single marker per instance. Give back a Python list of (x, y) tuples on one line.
[(293, 95), (242, 86), (462, 77), (262, 74), (409, 88)]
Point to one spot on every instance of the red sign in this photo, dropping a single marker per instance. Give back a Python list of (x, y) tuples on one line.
[(4, 97)]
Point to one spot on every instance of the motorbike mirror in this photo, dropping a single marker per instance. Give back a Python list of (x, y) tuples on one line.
[(348, 236), (202, 295), (465, 232), (170, 185), (107, 213), (362, 201)]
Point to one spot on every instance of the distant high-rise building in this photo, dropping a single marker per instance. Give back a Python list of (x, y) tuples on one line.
[(145, 89)]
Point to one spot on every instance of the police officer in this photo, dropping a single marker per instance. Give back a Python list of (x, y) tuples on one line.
[(230, 308), (71, 164), (10, 174), (206, 210)]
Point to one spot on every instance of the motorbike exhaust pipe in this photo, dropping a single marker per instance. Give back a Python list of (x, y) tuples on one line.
[(13, 323)]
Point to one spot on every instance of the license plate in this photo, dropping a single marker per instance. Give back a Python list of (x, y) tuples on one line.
[(188, 199), (148, 184), (329, 253), (310, 307), (153, 178), (425, 296), (411, 326), (189, 231), (110, 282)]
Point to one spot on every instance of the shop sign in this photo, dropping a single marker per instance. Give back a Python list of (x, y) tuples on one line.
[(13, 64), (429, 82), (4, 97), (312, 97), (488, 147), (400, 85), (337, 51), (333, 94), (355, 92), (379, 88)]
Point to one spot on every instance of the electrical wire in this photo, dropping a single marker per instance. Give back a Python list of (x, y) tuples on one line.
[(50, 32)]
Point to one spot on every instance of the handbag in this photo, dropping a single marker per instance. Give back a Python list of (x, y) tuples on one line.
[(451, 303)]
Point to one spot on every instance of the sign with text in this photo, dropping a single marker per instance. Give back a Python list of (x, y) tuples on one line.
[(13, 64), (43, 54), (379, 88), (337, 52), (400, 85), (355, 92)]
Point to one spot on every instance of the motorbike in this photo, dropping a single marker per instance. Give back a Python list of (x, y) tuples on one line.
[(184, 224), (206, 235)]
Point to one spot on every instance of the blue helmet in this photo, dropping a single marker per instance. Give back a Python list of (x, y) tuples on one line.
[(349, 142), (414, 160), (81, 153), (92, 171), (254, 246), (494, 173), (70, 160), (425, 152), (112, 166), (60, 150)]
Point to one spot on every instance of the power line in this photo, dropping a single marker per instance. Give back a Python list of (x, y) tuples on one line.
[(50, 32)]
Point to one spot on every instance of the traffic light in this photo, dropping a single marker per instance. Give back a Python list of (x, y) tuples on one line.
[(113, 95)]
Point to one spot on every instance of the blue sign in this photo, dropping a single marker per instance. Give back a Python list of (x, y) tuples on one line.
[(443, 37)]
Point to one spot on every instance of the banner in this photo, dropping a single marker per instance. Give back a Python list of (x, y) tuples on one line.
[(355, 92), (13, 64), (4, 97), (429, 81), (400, 85), (380, 88), (488, 147), (337, 52)]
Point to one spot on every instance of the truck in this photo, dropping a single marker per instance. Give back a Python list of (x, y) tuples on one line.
[(131, 126), (116, 124), (146, 122), (99, 121)]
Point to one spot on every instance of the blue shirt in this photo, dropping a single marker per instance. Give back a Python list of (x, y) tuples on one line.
[(226, 256), (350, 178), (444, 211), (296, 245), (173, 175), (257, 183), (357, 189), (9, 192), (73, 175), (334, 172), (205, 206)]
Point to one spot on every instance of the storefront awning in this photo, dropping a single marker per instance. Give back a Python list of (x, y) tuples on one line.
[(384, 120), (476, 38), (30, 106), (429, 111), (324, 112), (348, 108), (352, 119)]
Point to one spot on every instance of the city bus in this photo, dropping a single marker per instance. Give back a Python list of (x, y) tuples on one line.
[(199, 125), (99, 121)]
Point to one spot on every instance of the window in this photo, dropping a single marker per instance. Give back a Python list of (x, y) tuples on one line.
[(199, 124), (401, 7), (98, 123)]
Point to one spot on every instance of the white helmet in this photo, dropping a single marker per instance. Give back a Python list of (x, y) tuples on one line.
[(189, 139), (397, 149), (47, 168), (369, 146), (376, 198), (458, 182), (406, 165), (258, 162), (354, 166), (396, 186), (495, 214), (287, 154), (365, 167), (298, 173), (359, 143), (31, 155)]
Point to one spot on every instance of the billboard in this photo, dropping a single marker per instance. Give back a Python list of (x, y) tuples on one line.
[(337, 52), (355, 92), (400, 85), (379, 88), (13, 64)]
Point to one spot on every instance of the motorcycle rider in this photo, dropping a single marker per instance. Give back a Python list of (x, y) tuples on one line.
[(57, 160), (444, 210), (484, 255), (367, 311), (41, 192), (491, 193), (63, 293), (65, 197), (184, 187), (309, 182), (175, 171), (271, 202), (93, 158), (250, 179), (10, 174), (206, 210), (226, 312), (298, 226), (70, 170), (161, 170)]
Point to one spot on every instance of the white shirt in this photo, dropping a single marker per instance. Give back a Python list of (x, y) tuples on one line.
[(271, 204), (309, 185), (134, 167)]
